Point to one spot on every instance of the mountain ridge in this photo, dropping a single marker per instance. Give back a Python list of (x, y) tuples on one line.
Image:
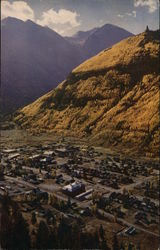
[(80, 37), (95, 40), (34, 57), (34, 60), (112, 99)]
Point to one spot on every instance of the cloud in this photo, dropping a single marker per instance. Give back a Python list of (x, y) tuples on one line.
[(134, 13), (101, 21), (131, 14), (17, 9), (121, 16), (151, 4), (61, 21)]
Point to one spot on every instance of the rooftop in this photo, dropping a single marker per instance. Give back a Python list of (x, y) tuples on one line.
[(73, 186)]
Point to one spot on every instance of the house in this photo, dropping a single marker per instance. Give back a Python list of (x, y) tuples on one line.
[(62, 152), (130, 231), (82, 196), (13, 156), (86, 212), (9, 151), (34, 157), (49, 153), (39, 193), (74, 189)]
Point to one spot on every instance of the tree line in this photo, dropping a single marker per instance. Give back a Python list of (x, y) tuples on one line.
[(16, 235)]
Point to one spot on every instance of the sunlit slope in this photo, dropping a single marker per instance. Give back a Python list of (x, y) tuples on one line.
[(131, 51), (112, 98)]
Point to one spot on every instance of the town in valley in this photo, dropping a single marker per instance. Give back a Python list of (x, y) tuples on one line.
[(61, 178)]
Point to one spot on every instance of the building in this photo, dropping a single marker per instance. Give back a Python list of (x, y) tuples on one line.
[(13, 156), (74, 189), (82, 196), (39, 193), (62, 152)]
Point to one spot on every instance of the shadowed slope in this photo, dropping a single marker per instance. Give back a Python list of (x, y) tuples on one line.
[(34, 59)]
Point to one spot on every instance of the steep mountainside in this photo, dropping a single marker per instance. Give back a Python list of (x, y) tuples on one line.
[(113, 98), (34, 59)]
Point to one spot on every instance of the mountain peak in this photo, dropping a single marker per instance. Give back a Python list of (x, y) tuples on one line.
[(11, 20), (109, 26), (105, 37), (28, 21), (34, 59), (95, 40)]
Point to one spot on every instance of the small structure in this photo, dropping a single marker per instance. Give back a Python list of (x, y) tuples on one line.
[(9, 151), (13, 156), (74, 189), (147, 29), (46, 159), (49, 153), (82, 196), (62, 152), (39, 193), (34, 157)]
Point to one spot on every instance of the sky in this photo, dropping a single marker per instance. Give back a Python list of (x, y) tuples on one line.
[(69, 16)]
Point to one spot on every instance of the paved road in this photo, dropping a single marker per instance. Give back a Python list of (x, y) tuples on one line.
[(26, 184), (128, 187), (124, 222), (84, 205), (35, 170)]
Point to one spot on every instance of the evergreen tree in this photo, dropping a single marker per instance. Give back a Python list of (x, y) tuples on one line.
[(104, 245), (5, 230), (6, 203), (138, 246), (69, 202), (21, 238), (52, 240), (42, 236), (33, 219), (115, 243), (122, 246), (130, 246), (14, 233), (64, 235), (96, 240), (76, 235), (101, 232), (87, 241), (1, 174)]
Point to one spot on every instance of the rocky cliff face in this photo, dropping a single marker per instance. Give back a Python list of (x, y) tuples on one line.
[(112, 98)]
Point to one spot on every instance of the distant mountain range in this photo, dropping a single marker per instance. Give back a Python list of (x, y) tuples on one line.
[(98, 39), (112, 99), (35, 59), (80, 37)]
